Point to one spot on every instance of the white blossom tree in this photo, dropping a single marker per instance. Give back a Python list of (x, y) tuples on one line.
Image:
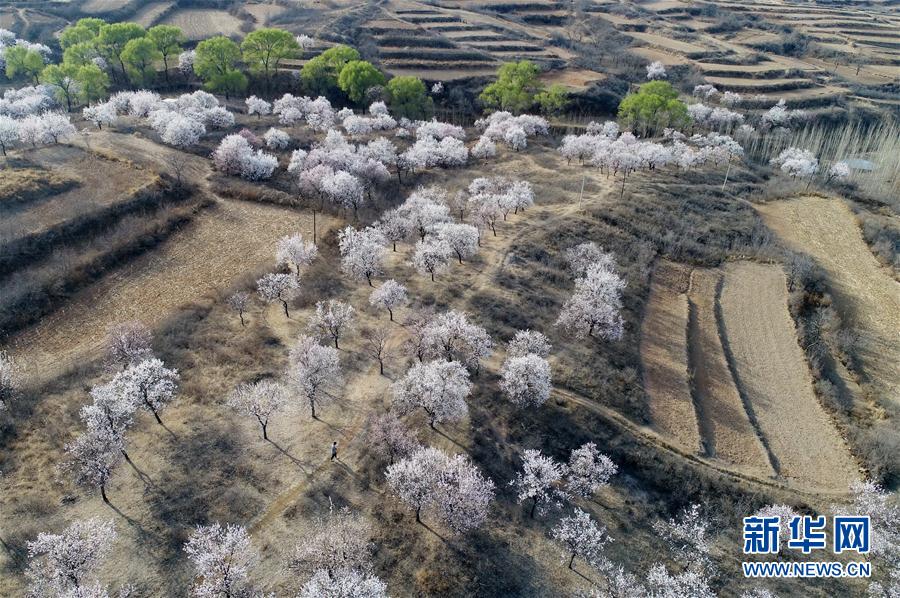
[(345, 583), (588, 471), (424, 209), (9, 132), (595, 305), (390, 295), (149, 384), (292, 250), (526, 380), (222, 556), (97, 114), (839, 171), (463, 496), (261, 399), (687, 535), (314, 371), (431, 257), (585, 256), (452, 487), (528, 341), (389, 438), (785, 513), (92, 458), (873, 500), (362, 252), (797, 163), (540, 481), (438, 387), (394, 226), (276, 139), (581, 536), (484, 148), (66, 564), (462, 239), (340, 541), (332, 319), (656, 70), (452, 336), (276, 287), (128, 342), (258, 106), (239, 302), (110, 414), (182, 131)]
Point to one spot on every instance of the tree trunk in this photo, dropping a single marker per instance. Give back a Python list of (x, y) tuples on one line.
[(103, 493), (314, 227), (419, 514), (156, 415), (286, 314), (381, 366), (166, 67), (127, 458), (241, 316), (369, 280), (391, 312), (336, 343), (432, 276), (571, 561), (264, 426), (533, 508), (312, 406)]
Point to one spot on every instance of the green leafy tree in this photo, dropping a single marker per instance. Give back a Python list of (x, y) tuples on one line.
[(515, 88), (215, 62), (64, 81), (653, 107), (22, 62), (114, 37), (409, 98), (553, 99), (139, 57), (264, 49), (93, 83), (75, 34), (229, 84), (92, 23), (168, 39), (72, 82), (80, 54), (357, 77), (320, 74)]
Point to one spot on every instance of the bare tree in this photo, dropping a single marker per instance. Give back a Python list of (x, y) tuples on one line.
[(375, 341)]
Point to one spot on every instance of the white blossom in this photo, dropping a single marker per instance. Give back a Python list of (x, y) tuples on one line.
[(581, 536), (581, 258), (462, 239), (98, 114), (343, 583), (528, 341), (292, 250), (278, 287), (332, 319), (66, 564), (261, 399), (276, 139), (431, 257), (149, 384), (222, 556), (526, 380), (362, 252), (258, 106), (452, 336), (340, 541), (589, 470), (390, 295), (656, 70), (438, 387), (687, 536), (540, 481), (314, 371), (595, 305), (128, 343)]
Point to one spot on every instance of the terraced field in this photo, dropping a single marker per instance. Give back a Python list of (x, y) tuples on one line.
[(867, 295), (199, 24), (726, 376)]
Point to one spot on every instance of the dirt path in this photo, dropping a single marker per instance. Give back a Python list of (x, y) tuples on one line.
[(771, 370), (728, 432), (866, 295), (665, 358)]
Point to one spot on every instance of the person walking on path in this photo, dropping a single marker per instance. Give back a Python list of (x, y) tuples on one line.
[(334, 450)]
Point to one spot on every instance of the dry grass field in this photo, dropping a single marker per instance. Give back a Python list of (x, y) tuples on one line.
[(867, 293)]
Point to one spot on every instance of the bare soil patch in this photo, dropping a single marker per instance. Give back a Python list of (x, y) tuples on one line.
[(866, 294), (771, 370)]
